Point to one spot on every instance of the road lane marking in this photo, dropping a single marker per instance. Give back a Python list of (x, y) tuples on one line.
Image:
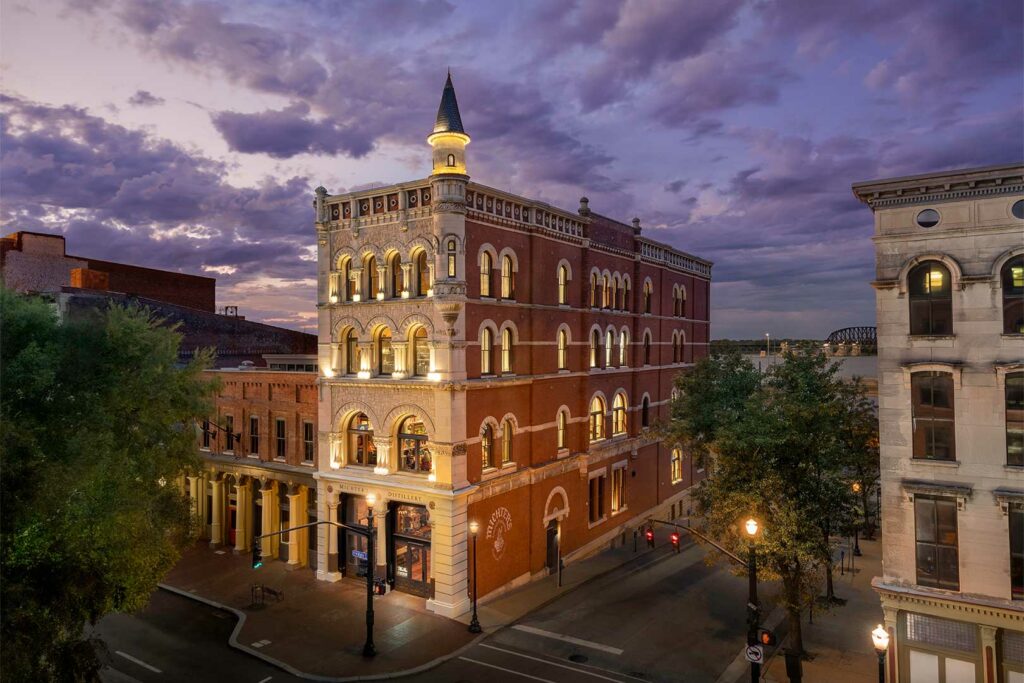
[(138, 661), (569, 639), (266, 679), (550, 663), (511, 671)]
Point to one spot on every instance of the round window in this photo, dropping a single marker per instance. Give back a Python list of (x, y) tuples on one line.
[(928, 218), (1018, 209)]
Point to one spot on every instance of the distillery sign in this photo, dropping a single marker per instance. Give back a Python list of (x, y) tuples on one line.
[(498, 527)]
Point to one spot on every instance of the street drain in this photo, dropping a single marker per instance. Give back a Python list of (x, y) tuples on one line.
[(578, 658)]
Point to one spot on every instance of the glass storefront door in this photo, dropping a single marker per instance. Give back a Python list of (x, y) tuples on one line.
[(410, 548), (356, 558)]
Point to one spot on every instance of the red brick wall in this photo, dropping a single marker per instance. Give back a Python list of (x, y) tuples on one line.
[(193, 291)]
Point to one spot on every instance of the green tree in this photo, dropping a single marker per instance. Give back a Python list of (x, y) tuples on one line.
[(776, 457), (96, 427)]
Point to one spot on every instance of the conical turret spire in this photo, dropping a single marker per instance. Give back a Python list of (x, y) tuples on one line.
[(448, 118)]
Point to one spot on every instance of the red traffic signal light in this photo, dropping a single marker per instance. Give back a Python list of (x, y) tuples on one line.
[(675, 538), (765, 637)]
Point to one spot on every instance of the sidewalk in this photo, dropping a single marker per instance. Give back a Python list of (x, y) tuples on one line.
[(318, 629), (839, 641)]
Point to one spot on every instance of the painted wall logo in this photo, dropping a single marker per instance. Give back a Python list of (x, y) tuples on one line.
[(498, 527)]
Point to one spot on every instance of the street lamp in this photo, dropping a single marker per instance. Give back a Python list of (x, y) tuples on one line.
[(880, 637), (856, 527), (474, 624), (368, 649), (753, 610), (768, 343)]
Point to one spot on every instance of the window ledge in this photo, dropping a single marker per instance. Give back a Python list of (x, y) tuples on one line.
[(624, 508), (307, 464), (276, 459), (564, 371), (487, 298), (602, 520), (1014, 468), (562, 453), (930, 337), (253, 456), (1012, 335), (953, 464), (205, 450)]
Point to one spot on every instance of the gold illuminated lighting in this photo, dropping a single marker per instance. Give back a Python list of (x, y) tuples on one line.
[(880, 637), (935, 279), (328, 373), (380, 296), (334, 298), (474, 527), (751, 526), (371, 499), (1017, 275), (356, 297), (405, 294), (856, 487), (363, 374)]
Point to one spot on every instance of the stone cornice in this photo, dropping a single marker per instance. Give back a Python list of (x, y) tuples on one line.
[(980, 609), (941, 187)]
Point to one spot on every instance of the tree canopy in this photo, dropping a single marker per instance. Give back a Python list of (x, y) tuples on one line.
[(96, 428), (778, 446)]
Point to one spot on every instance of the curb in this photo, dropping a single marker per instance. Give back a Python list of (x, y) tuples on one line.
[(284, 666), (241, 616)]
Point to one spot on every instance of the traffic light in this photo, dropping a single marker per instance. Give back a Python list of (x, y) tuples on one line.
[(765, 637), (675, 540), (257, 554), (649, 535)]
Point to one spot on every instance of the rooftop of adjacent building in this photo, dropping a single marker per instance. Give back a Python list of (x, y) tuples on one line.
[(941, 185)]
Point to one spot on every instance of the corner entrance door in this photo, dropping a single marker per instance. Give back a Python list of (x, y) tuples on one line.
[(412, 570), (552, 547)]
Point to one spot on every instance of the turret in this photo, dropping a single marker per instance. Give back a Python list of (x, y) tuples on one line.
[(449, 139)]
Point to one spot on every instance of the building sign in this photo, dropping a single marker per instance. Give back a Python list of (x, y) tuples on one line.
[(498, 526)]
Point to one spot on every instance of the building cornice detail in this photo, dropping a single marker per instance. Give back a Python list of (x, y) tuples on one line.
[(941, 187), (977, 608)]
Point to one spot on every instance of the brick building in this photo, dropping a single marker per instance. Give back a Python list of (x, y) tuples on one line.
[(33, 262), (950, 304), (259, 461), (487, 357)]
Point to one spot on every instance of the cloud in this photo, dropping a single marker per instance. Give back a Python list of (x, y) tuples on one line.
[(287, 132), (144, 98)]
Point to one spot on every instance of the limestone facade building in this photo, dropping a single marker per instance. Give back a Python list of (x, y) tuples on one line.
[(950, 316), (488, 357)]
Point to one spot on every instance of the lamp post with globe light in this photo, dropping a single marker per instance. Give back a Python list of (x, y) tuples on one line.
[(753, 609), (474, 624), (880, 638), (856, 526)]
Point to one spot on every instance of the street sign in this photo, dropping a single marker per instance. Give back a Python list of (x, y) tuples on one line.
[(755, 654), (359, 554)]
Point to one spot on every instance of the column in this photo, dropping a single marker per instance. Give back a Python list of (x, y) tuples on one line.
[(271, 518), (194, 491), (335, 367), (217, 520), (380, 513), (356, 274), (892, 655), (449, 535), (382, 273), (334, 442), (298, 543), (365, 359), (989, 658), (430, 282), (401, 350), (333, 572), (243, 515), (384, 462), (406, 276)]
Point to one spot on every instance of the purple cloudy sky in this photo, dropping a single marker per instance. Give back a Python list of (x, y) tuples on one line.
[(189, 135)]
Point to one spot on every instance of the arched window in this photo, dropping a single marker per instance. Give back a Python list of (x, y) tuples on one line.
[(645, 412), (647, 348), (372, 277), (395, 268), (451, 259), (613, 295), (619, 423), (451, 160), (623, 349), (508, 282), (593, 290), (507, 434), (932, 408), (422, 274), (609, 347), (385, 353), (351, 353), (626, 299), (486, 351), (931, 299), (560, 427), (596, 419), (348, 287), (486, 267), (675, 301), (1015, 418), (506, 350), (682, 302), (487, 446), (677, 465), (412, 446), (563, 350), (361, 449), (1013, 296), (647, 297), (595, 344), (420, 353), (563, 285), (605, 291)]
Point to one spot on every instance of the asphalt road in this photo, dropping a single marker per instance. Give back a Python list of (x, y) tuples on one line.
[(660, 618), (674, 620), (177, 639)]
